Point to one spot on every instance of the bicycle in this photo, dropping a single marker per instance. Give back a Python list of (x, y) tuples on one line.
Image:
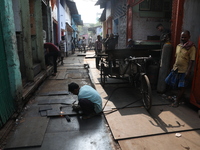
[(134, 71)]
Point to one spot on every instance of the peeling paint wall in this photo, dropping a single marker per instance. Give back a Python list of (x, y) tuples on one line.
[(122, 33), (17, 17), (144, 23), (9, 37), (119, 22)]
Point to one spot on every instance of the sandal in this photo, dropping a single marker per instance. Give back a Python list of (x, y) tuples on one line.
[(175, 104), (53, 74), (76, 108), (89, 116)]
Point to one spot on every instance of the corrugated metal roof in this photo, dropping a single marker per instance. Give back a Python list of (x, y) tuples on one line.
[(72, 7), (74, 12)]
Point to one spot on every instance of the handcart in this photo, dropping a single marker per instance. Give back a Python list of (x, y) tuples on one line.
[(129, 65)]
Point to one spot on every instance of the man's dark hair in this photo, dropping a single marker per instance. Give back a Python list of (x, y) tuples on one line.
[(187, 32), (63, 37), (158, 25), (72, 86)]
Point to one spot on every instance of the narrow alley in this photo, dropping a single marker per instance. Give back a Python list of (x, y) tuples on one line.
[(42, 127), (142, 57)]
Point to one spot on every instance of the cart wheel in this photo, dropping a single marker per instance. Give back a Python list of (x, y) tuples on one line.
[(102, 74), (146, 92)]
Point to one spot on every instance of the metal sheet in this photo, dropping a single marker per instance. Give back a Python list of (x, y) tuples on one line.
[(29, 133), (56, 111), (55, 93), (47, 100), (132, 122), (54, 87), (175, 119), (137, 122), (188, 140)]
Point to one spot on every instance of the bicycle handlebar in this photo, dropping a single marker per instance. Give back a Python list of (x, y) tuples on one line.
[(138, 58)]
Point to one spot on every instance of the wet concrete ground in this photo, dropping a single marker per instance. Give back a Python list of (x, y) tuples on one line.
[(60, 134), (97, 133)]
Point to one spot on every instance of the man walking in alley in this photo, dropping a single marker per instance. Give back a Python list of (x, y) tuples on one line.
[(84, 44), (51, 50), (62, 49), (185, 57), (90, 102), (98, 50)]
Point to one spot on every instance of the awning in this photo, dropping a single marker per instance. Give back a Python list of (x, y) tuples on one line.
[(69, 28), (77, 19), (74, 12), (102, 3), (103, 16), (72, 7)]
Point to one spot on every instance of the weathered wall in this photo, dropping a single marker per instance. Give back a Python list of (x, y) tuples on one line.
[(17, 18), (144, 26), (28, 28), (119, 22), (191, 20), (9, 37), (39, 33), (122, 33)]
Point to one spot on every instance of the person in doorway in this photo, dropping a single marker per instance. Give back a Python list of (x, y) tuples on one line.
[(185, 57), (130, 43), (53, 51), (98, 50), (62, 49), (90, 102), (84, 44), (163, 32)]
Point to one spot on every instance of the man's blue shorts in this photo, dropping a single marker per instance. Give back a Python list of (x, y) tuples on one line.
[(175, 79)]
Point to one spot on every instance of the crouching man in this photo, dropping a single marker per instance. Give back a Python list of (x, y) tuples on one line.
[(90, 102)]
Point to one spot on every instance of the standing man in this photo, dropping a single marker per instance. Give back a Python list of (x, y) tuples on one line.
[(62, 49), (72, 45), (163, 31), (98, 50), (105, 41), (84, 44), (110, 44), (51, 51), (185, 57), (79, 45), (90, 101)]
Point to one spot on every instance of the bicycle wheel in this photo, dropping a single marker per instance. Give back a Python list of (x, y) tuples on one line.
[(146, 92)]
